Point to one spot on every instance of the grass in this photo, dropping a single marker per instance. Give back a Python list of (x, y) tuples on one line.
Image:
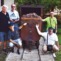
[(2, 56), (59, 38), (58, 58)]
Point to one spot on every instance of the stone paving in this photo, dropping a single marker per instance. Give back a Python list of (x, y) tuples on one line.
[(47, 57), (31, 56)]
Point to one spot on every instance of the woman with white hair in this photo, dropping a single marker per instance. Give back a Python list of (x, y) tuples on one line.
[(4, 19)]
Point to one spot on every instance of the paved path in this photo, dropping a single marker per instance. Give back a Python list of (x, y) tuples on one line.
[(31, 56)]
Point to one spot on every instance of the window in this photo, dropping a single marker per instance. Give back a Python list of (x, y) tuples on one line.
[(1, 2)]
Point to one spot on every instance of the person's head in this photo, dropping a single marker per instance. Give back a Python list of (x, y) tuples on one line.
[(52, 14), (4, 8), (50, 30), (13, 7)]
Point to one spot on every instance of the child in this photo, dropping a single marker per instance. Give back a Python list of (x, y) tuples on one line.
[(14, 38)]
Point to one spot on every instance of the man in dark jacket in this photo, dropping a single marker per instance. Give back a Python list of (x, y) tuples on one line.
[(4, 21)]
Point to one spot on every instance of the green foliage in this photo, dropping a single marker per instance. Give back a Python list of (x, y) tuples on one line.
[(58, 58), (46, 3)]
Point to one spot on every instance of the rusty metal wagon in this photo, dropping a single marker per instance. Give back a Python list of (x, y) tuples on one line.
[(29, 33)]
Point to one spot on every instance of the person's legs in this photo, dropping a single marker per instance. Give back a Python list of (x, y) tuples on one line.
[(55, 49), (11, 45), (20, 44), (45, 48), (0, 44), (5, 44), (4, 48), (5, 41), (1, 39)]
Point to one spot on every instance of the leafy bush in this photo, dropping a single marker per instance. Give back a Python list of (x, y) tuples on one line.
[(48, 4)]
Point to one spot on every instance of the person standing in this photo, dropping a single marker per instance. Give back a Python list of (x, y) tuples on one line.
[(51, 22), (4, 20), (13, 14)]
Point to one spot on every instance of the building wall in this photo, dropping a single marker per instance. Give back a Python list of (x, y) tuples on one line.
[(8, 3)]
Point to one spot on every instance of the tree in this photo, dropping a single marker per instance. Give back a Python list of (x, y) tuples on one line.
[(48, 4)]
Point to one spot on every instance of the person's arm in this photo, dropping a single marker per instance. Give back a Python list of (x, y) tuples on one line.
[(22, 25), (16, 20), (13, 41), (39, 32), (56, 28), (56, 25), (40, 18), (56, 41), (16, 44), (11, 28)]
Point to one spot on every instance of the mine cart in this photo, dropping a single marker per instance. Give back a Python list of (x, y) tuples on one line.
[(30, 15)]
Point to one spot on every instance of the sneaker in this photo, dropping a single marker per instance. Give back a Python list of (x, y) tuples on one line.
[(12, 50), (54, 55), (18, 52)]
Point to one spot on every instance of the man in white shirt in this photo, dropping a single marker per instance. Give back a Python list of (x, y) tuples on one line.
[(13, 13), (51, 40)]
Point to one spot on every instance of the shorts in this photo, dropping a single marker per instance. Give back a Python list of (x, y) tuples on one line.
[(3, 36), (18, 41)]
